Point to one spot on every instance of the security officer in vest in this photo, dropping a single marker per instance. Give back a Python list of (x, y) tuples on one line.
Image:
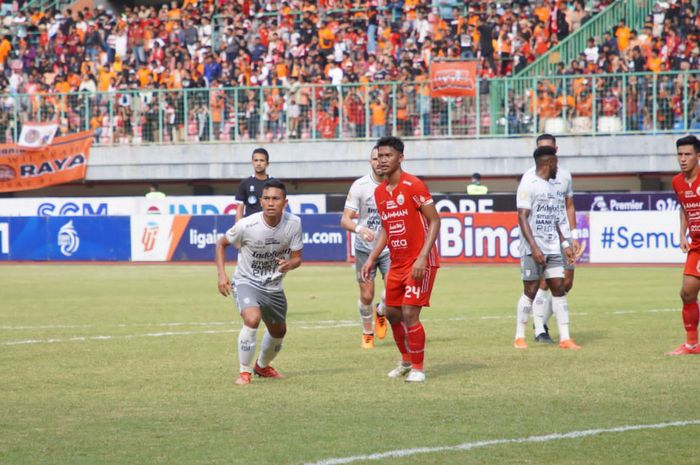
[(475, 187)]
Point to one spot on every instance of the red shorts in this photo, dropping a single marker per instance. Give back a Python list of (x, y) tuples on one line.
[(402, 289), (692, 263)]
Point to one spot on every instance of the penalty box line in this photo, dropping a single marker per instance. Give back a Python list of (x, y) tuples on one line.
[(399, 453)]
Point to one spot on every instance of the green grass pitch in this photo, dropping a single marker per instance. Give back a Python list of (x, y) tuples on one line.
[(135, 365)]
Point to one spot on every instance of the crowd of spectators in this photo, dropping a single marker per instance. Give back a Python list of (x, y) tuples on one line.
[(280, 49), (256, 43)]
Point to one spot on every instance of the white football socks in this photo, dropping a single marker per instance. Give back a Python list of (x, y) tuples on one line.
[(271, 346), (538, 306), (365, 317), (561, 310), (522, 315), (246, 348), (547, 306)]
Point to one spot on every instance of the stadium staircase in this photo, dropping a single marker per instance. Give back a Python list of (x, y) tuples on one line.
[(634, 12)]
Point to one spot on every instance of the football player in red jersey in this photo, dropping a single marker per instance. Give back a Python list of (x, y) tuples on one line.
[(410, 226), (687, 187)]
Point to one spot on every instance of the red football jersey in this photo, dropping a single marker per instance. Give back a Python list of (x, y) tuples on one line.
[(405, 225), (689, 196)]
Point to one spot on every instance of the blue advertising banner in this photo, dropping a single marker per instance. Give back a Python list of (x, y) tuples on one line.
[(324, 238), (66, 238), (198, 240), (193, 238), (4, 238)]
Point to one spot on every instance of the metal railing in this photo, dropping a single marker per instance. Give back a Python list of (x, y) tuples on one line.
[(589, 104), (634, 13)]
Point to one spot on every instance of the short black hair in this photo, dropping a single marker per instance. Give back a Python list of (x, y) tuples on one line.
[(273, 183), (262, 151), (546, 136), (544, 150), (689, 140), (391, 141)]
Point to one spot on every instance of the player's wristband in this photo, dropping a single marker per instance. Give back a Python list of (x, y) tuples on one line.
[(565, 244), (358, 229), (575, 234)]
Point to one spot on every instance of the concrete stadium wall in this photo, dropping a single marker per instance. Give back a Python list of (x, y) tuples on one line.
[(599, 155)]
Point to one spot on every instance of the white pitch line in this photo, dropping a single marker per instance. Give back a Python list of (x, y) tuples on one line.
[(304, 325), (493, 442), (109, 337)]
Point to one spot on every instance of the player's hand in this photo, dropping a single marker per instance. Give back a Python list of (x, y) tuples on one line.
[(366, 234), (366, 270), (538, 256), (685, 246), (420, 266), (570, 255), (577, 248), (283, 265), (224, 285)]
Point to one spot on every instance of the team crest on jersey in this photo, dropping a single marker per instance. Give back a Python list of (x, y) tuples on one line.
[(400, 199), (697, 191)]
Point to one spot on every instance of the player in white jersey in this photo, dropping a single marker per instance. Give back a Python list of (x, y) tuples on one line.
[(542, 304), (269, 245), (360, 203), (544, 232)]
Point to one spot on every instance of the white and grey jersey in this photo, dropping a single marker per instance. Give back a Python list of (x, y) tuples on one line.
[(565, 189), (541, 198), (361, 200), (259, 245)]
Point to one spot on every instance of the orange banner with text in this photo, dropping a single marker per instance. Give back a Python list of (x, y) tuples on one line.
[(64, 160), (453, 79)]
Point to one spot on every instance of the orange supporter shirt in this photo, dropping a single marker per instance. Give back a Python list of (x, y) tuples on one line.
[(378, 114), (326, 38), (655, 64), (104, 80), (5, 48), (542, 12), (623, 37)]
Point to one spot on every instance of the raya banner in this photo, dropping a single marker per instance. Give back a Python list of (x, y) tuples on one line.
[(65, 160), (453, 79)]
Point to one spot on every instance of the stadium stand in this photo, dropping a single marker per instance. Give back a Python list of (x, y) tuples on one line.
[(219, 71)]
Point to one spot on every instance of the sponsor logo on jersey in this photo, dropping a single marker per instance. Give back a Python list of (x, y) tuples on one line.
[(690, 194), (397, 228), (391, 205), (68, 239), (395, 214), (398, 243)]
